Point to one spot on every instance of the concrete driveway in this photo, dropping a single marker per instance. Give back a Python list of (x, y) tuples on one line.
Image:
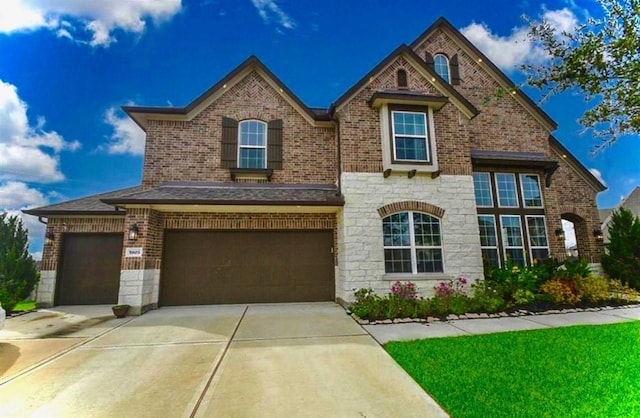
[(302, 360)]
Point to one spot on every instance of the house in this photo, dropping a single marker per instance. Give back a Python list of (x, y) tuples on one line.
[(631, 203), (420, 171)]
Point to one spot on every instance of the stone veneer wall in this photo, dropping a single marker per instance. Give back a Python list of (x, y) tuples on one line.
[(361, 252)]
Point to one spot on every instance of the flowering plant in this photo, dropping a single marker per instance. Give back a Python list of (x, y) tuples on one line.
[(451, 288), (406, 291)]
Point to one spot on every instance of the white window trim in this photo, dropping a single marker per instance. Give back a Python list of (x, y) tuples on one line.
[(495, 235), (448, 66), (490, 189), (388, 153), (531, 247), (524, 201), (412, 245), (240, 146), (515, 189), (505, 239)]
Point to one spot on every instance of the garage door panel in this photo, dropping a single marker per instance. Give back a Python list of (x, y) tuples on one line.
[(89, 272), (203, 267)]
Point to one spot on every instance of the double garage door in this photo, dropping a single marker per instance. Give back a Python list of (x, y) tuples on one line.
[(208, 267)]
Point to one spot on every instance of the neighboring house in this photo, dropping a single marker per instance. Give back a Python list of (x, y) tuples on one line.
[(630, 203), (418, 172)]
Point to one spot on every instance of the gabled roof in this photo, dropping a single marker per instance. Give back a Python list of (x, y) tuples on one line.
[(631, 202), (403, 50), (573, 162), (90, 205), (140, 114), (482, 60)]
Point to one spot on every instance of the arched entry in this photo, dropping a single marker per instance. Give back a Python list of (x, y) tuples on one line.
[(581, 232)]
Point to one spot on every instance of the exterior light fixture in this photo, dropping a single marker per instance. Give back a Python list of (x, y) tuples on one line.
[(133, 232), (597, 233), (49, 238), (560, 234)]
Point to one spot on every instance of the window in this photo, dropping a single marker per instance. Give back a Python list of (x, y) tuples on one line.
[(515, 229), (531, 194), (402, 79), (409, 136), (506, 185), (412, 243), (482, 188), (441, 66), (538, 244), (489, 240), (252, 144)]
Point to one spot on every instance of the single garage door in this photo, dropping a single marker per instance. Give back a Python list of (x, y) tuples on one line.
[(89, 271), (208, 267)]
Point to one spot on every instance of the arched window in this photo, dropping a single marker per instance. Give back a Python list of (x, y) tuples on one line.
[(412, 243), (252, 144), (441, 66), (402, 78)]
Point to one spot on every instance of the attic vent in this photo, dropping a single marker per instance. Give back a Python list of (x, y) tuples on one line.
[(402, 79)]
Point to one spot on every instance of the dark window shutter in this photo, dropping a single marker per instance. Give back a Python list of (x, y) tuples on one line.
[(229, 151), (274, 144), (402, 78), (453, 68), (428, 58)]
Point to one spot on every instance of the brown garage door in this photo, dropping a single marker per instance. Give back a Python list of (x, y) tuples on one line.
[(89, 272), (205, 267)]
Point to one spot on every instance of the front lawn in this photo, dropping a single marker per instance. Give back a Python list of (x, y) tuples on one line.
[(581, 371), (25, 306)]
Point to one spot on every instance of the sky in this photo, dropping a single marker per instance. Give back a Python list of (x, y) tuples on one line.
[(66, 67)]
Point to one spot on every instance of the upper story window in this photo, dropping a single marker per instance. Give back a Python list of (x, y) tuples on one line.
[(252, 144), (412, 243), (531, 194), (506, 185), (441, 66), (482, 188), (409, 136)]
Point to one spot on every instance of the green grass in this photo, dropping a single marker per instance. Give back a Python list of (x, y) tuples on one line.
[(25, 305), (582, 371)]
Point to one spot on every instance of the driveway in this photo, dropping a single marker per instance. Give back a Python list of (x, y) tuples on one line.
[(302, 360)]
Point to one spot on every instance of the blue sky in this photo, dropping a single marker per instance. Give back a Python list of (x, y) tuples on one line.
[(67, 66)]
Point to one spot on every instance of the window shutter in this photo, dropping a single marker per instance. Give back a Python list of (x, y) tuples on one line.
[(428, 58), (402, 79), (274, 144), (229, 151), (453, 68)]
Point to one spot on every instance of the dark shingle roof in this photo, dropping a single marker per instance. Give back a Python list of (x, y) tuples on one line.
[(234, 194), (90, 205)]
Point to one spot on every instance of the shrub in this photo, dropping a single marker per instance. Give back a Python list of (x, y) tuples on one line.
[(512, 278), (18, 272), (487, 297), (593, 289), (405, 291), (562, 291), (622, 261), (572, 268), (622, 292), (450, 288), (523, 297)]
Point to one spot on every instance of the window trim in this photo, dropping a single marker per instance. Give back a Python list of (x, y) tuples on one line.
[(524, 201), (490, 189), (435, 66), (505, 239), (425, 111), (412, 244), (240, 146), (515, 189), (425, 136), (537, 247)]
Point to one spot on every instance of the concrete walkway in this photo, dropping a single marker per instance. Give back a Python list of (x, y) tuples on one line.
[(414, 331), (298, 360)]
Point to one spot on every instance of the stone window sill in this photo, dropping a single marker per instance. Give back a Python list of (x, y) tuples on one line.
[(408, 277)]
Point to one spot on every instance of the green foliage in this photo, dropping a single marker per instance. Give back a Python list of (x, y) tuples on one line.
[(563, 291), (622, 292), (572, 268), (581, 371), (622, 260), (599, 59), (513, 278), (18, 272), (523, 297)]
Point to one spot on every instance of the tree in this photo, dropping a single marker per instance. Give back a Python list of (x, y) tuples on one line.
[(600, 59), (622, 260), (18, 271)]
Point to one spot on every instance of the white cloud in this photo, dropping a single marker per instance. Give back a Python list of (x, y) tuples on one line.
[(597, 175), (269, 10), (86, 21), (508, 52), (16, 196), (127, 137), (27, 152)]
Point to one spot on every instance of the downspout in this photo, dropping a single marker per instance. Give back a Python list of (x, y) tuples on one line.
[(339, 157)]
